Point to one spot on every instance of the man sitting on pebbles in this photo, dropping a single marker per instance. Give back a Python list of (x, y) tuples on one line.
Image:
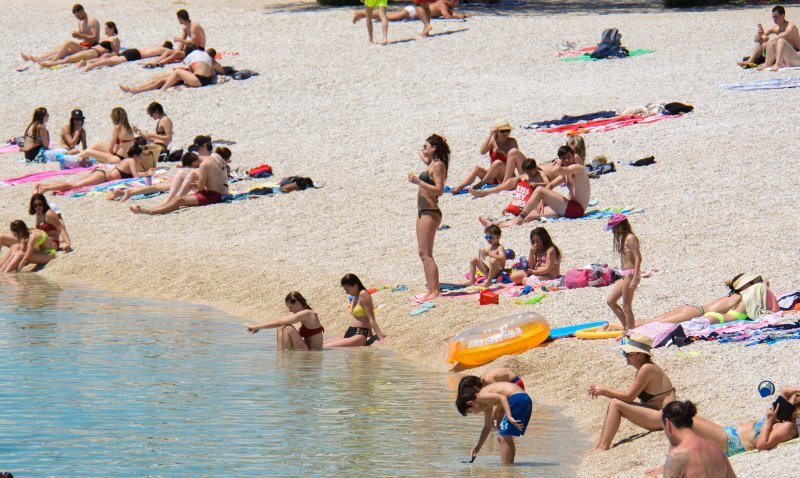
[(86, 36), (766, 42)]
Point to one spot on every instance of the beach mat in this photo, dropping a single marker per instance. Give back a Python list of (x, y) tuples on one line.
[(586, 57), (13, 147), (42, 175), (605, 124), (569, 119), (769, 84), (599, 213)]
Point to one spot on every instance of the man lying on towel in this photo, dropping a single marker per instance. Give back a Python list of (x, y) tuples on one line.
[(211, 187), (544, 202)]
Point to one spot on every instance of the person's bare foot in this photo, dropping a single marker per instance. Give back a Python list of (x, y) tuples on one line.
[(775, 68), (114, 194), (126, 195), (485, 221), (478, 193), (357, 15), (37, 188), (124, 88), (25, 57), (80, 64), (138, 210), (426, 32), (761, 66), (384, 41), (432, 296), (456, 190), (742, 63)]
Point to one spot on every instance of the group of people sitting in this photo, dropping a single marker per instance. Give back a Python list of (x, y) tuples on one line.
[(89, 51), (34, 246), (363, 329), (776, 47)]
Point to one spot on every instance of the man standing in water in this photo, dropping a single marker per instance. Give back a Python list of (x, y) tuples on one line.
[(690, 456), (86, 36)]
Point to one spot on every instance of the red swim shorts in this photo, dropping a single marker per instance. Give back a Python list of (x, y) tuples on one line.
[(206, 197), (518, 382), (574, 210)]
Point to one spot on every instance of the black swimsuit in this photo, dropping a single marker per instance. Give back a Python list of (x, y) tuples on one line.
[(132, 54), (107, 45), (425, 177)]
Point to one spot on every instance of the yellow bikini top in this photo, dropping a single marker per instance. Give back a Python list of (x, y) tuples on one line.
[(358, 311)]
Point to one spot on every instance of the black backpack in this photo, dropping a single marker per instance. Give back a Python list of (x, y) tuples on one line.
[(610, 45)]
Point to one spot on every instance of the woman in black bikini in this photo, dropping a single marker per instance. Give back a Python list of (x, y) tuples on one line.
[(37, 138), (435, 153), (107, 46), (651, 386), (308, 337), (163, 133), (130, 54), (122, 139), (126, 169)]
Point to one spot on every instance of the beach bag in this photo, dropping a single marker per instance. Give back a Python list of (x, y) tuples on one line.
[(150, 155), (610, 45), (577, 278), (174, 156), (523, 192), (262, 171), (662, 333)]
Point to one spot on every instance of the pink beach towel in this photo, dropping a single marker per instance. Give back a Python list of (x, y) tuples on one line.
[(14, 148), (43, 175), (606, 124)]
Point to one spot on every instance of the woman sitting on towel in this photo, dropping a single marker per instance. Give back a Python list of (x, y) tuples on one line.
[(363, 325), (777, 426), (650, 385), (201, 71), (308, 337), (544, 260), (504, 159), (163, 131), (117, 149), (130, 54), (36, 136), (73, 135), (32, 247), (108, 45), (748, 297), (128, 168)]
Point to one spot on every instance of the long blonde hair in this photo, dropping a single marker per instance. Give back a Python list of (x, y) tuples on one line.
[(120, 117)]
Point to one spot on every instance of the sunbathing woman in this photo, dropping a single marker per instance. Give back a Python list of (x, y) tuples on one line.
[(163, 133), (32, 247), (650, 385), (188, 161), (363, 324), (439, 9), (777, 426), (748, 297), (108, 45), (50, 222), (130, 54), (122, 139), (201, 71), (544, 259), (504, 159), (37, 138), (308, 337), (126, 169)]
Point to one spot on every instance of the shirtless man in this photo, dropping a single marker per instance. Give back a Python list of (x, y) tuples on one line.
[(548, 203), (212, 185), (767, 41), (86, 36), (439, 9), (192, 35), (690, 456)]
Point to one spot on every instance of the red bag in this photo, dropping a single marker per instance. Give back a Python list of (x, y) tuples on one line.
[(262, 171), (577, 278), (488, 298), (521, 195)]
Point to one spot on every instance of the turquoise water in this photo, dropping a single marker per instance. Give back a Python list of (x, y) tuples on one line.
[(96, 385)]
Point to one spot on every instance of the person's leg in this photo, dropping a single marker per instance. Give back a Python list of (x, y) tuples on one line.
[(292, 339), (519, 277), (279, 334), (771, 51), (627, 302), (507, 449), (66, 48), (424, 14), (41, 258), (7, 240), (151, 84), (640, 416), (102, 62), (126, 194), (426, 233), (477, 265), (554, 206), (368, 12), (612, 302), (354, 341), (710, 431), (101, 154), (178, 76), (168, 207), (494, 271), (190, 182), (8, 256), (758, 50), (384, 24), (398, 15), (14, 259), (475, 172), (74, 58), (359, 15), (513, 163)]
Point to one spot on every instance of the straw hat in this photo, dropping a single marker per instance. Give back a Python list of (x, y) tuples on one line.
[(637, 344), (743, 280), (502, 125)]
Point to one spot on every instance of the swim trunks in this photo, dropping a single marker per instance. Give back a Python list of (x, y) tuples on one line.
[(519, 383), (521, 408), (131, 54), (376, 3), (206, 197), (86, 45), (574, 210), (205, 80), (412, 12)]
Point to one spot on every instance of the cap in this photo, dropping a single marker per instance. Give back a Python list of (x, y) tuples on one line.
[(77, 115), (615, 220)]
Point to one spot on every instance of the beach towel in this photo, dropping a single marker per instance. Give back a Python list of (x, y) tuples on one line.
[(606, 124), (12, 146), (102, 188), (567, 120), (41, 176), (586, 56), (579, 52), (599, 213), (768, 84)]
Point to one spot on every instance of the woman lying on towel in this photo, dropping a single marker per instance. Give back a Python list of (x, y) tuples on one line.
[(777, 426), (108, 45), (650, 385), (32, 247), (363, 324), (131, 54), (128, 168), (748, 297), (504, 159), (201, 70)]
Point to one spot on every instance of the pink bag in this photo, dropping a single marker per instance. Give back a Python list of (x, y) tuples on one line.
[(577, 278), (660, 332)]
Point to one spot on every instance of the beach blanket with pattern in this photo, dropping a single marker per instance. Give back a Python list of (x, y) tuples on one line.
[(769, 84), (43, 175), (605, 124), (585, 55), (568, 120), (599, 213), (769, 329), (103, 188)]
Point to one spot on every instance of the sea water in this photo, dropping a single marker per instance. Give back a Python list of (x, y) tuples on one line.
[(93, 384)]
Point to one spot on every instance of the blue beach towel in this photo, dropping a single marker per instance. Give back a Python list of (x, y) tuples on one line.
[(769, 84), (599, 213)]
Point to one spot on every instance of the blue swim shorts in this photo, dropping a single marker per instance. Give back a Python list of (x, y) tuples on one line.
[(521, 408)]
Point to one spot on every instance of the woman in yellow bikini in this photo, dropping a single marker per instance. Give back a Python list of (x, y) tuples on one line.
[(31, 248), (363, 325)]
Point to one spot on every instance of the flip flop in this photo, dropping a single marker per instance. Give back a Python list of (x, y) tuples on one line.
[(424, 307), (443, 227), (22, 67), (399, 288)]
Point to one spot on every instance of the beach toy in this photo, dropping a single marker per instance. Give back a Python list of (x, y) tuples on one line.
[(525, 290), (488, 297), (569, 330), (509, 335), (510, 254), (523, 262), (373, 290), (593, 333), (766, 388)]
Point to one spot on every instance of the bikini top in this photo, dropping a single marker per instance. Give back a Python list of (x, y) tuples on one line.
[(358, 311), (106, 44), (498, 156), (35, 139), (425, 177), (38, 244), (646, 397), (159, 129), (45, 226)]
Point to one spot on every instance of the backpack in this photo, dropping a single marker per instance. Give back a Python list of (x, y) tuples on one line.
[(262, 171), (174, 156), (610, 45)]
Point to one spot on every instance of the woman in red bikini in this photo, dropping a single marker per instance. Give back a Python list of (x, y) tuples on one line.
[(49, 221), (308, 337), (504, 154), (122, 138)]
